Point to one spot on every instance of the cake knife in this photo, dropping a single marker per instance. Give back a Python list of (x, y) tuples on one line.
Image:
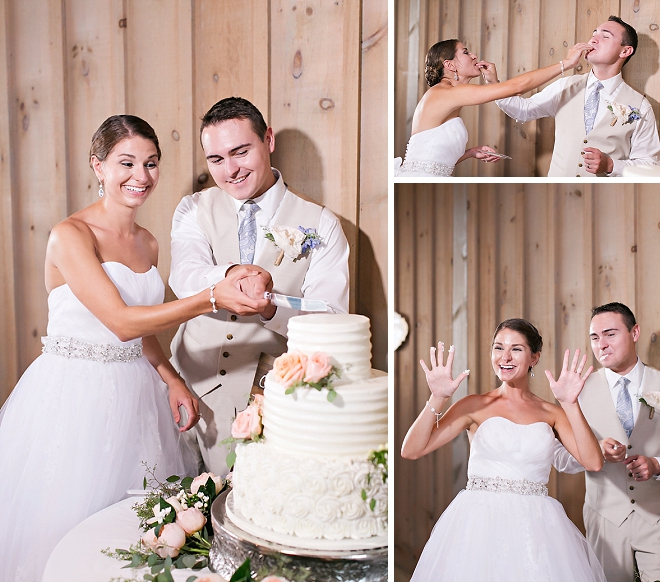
[(299, 303)]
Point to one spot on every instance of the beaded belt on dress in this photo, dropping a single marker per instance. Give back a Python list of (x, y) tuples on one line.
[(72, 348), (497, 484), (435, 168)]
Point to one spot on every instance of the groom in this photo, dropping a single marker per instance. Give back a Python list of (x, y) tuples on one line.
[(622, 503), (589, 138), (218, 234)]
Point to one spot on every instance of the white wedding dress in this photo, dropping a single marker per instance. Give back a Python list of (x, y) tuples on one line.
[(504, 527), (77, 426), (433, 153)]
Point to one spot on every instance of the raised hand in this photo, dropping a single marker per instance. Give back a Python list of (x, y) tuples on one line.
[(574, 54), (488, 72), (568, 386), (439, 377)]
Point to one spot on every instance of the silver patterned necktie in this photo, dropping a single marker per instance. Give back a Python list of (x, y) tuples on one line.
[(624, 406), (591, 107), (247, 232)]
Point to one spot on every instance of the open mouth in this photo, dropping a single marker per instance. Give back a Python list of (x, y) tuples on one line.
[(507, 368), (136, 189), (239, 180)]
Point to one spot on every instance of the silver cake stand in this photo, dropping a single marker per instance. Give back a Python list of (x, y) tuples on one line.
[(232, 546)]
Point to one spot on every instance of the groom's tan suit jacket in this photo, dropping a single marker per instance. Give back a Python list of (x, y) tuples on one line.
[(613, 492), (571, 139), (217, 353)]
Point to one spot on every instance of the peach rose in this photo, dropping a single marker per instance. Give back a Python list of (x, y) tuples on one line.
[(202, 479), (289, 368), (191, 520), (318, 366), (258, 401), (247, 424), (170, 541), (274, 579), (210, 578)]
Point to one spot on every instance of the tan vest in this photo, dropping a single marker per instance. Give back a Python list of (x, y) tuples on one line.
[(217, 353), (571, 139), (613, 492)]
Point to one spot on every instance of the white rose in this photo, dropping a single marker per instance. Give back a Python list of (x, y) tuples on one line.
[(337, 530), (327, 509), (289, 240), (308, 528), (298, 506), (364, 528), (353, 509), (341, 484), (272, 501), (652, 399), (315, 484)]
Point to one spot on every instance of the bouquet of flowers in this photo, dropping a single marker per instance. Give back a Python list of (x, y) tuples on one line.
[(176, 518), (294, 369)]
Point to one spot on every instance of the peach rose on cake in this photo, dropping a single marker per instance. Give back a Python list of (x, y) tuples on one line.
[(289, 368), (210, 578), (318, 366), (258, 401), (247, 424), (274, 579)]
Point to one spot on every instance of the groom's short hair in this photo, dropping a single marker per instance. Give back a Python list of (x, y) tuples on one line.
[(235, 108), (616, 307), (629, 35)]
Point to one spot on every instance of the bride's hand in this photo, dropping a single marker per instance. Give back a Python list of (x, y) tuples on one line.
[(574, 54), (488, 72), (568, 386), (482, 153), (439, 377)]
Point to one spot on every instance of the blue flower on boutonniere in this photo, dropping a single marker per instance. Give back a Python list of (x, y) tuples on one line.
[(295, 243), (624, 113)]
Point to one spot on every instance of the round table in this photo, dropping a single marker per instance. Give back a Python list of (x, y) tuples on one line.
[(78, 557)]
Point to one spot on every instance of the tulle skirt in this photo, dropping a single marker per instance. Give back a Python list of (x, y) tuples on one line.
[(489, 536), (73, 434)]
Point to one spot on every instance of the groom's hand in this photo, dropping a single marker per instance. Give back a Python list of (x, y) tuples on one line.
[(253, 281), (230, 294), (596, 162)]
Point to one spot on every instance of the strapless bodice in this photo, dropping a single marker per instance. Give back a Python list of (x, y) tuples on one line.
[(68, 317), (501, 448), (434, 152)]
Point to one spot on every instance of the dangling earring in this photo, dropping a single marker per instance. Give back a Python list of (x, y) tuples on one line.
[(455, 76), (101, 191), (531, 371)]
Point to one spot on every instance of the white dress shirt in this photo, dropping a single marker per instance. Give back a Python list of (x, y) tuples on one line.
[(644, 143), (563, 460), (193, 268)]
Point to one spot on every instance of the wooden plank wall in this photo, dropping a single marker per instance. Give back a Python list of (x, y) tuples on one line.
[(66, 65), (546, 252), (517, 36)]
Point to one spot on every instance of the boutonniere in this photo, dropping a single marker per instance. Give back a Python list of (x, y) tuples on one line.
[(652, 400), (295, 243), (623, 113)]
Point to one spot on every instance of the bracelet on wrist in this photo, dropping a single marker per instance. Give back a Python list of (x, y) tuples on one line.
[(438, 415), (561, 63), (212, 299)]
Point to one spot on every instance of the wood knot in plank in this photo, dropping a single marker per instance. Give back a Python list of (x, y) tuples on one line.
[(327, 104), (297, 65)]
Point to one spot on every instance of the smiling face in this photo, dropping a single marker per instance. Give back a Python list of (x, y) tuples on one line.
[(606, 43), (130, 171), (612, 343), (464, 63), (237, 159), (511, 356)]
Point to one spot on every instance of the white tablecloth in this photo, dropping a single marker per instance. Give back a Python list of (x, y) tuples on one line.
[(78, 557)]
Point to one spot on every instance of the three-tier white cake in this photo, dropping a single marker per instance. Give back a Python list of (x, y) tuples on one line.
[(310, 484)]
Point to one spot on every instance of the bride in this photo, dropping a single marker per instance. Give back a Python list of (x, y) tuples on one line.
[(504, 526), (102, 398), (439, 136)]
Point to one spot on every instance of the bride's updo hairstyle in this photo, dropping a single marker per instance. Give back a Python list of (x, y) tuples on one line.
[(526, 329), (439, 53), (117, 128)]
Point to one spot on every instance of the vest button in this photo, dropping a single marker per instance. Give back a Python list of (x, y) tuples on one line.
[(230, 337), (586, 141), (632, 501), (234, 317), (223, 372), (579, 165), (630, 446), (225, 354), (577, 175), (629, 474), (581, 153), (631, 487)]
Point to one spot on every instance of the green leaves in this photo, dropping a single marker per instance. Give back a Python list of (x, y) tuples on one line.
[(231, 459), (242, 574)]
